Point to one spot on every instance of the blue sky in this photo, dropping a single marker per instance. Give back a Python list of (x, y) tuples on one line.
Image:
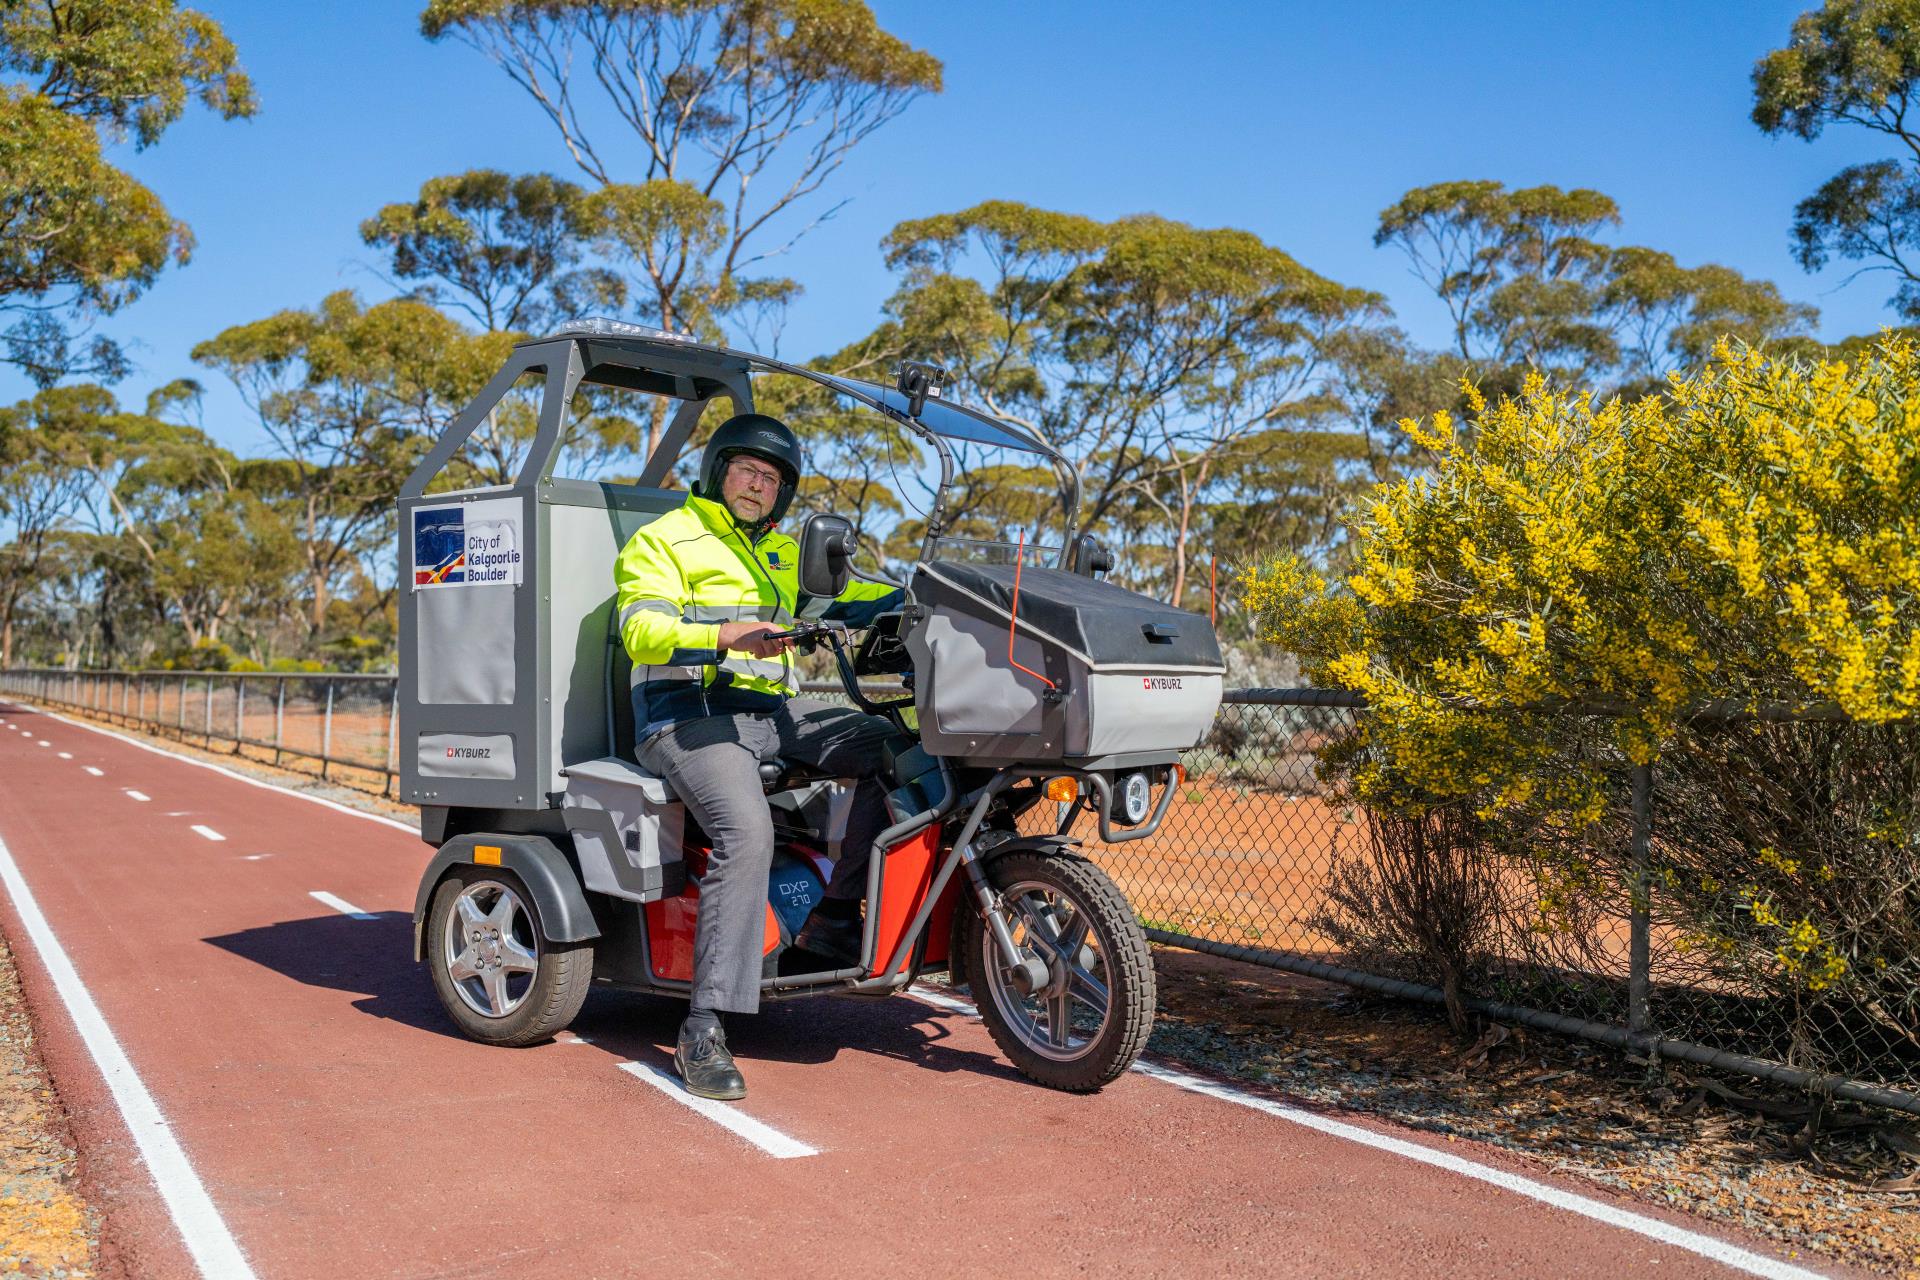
[(1297, 122)]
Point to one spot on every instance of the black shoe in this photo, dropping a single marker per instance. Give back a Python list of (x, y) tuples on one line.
[(704, 1063), (837, 940)]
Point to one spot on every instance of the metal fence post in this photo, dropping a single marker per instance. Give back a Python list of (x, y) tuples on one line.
[(326, 732), (1640, 949), (180, 716), (239, 712), (279, 717), (209, 716)]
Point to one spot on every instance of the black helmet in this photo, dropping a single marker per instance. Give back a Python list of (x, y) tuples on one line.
[(766, 438)]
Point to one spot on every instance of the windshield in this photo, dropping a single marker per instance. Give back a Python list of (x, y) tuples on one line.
[(977, 551), (953, 421)]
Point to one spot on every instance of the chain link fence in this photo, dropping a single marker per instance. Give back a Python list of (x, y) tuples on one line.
[(1250, 861), (342, 726)]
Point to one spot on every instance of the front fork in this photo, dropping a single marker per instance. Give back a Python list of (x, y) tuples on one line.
[(1027, 973)]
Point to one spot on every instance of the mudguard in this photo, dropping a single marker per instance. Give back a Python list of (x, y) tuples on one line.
[(549, 878), (1033, 844)]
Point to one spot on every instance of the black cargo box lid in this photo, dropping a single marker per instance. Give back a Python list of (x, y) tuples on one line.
[(1106, 625)]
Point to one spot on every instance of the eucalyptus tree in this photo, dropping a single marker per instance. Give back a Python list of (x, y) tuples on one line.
[(707, 126), (1144, 349), (351, 397), (1518, 271), (1854, 62), (504, 249), (1529, 284), (79, 237), (41, 493), (1666, 318)]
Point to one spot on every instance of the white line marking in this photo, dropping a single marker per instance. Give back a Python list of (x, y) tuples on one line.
[(45, 743), (208, 832), (95, 772), (66, 755), (739, 1123), (568, 1037), (1679, 1237), (213, 1247), (136, 795), (255, 857), (411, 829), (341, 905)]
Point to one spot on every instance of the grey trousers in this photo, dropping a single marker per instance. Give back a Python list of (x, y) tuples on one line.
[(713, 766)]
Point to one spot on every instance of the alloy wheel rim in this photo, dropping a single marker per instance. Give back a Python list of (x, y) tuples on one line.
[(490, 949)]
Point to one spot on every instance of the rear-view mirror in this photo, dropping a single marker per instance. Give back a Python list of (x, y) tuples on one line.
[(826, 555), (1091, 557)]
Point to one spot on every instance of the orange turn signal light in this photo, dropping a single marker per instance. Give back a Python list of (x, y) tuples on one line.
[(1179, 774), (487, 855), (1064, 790)]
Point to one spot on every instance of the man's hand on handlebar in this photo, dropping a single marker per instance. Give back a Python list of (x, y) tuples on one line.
[(756, 639)]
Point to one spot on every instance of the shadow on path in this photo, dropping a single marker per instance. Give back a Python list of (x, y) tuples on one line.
[(374, 960)]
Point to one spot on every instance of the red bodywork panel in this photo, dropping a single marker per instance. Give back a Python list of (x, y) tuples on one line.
[(911, 866), (670, 924)]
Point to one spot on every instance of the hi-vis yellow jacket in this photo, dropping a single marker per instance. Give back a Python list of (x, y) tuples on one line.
[(683, 575)]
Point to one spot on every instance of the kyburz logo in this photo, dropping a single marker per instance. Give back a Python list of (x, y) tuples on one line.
[(469, 753), (1151, 683)]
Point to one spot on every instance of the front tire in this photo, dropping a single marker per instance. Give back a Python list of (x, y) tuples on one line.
[(1090, 1020), (497, 976)]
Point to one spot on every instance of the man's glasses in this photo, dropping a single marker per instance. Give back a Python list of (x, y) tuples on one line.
[(747, 471)]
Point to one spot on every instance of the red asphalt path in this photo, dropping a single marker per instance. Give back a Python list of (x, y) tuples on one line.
[(342, 1129)]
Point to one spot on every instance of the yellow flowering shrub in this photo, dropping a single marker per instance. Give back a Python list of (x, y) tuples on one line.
[(1751, 539)]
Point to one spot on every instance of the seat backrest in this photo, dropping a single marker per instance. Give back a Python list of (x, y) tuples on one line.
[(588, 525), (619, 694)]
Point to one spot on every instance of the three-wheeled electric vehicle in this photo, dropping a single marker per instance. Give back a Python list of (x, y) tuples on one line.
[(1028, 686)]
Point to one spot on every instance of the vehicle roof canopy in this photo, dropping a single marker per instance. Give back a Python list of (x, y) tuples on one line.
[(642, 358)]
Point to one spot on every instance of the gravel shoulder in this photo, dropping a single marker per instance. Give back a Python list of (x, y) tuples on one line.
[(47, 1226)]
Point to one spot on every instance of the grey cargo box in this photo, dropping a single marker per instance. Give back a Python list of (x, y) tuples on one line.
[(1132, 679), (628, 829)]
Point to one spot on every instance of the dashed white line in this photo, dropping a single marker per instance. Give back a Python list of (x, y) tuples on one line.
[(213, 1247), (764, 1136), (45, 743), (341, 905), (411, 828), (255, 857), (208, 832), (66, 755), (98, 773), (136, 795), (1640, 1224)]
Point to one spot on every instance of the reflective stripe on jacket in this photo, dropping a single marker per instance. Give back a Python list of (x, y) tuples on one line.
[(684, 574)]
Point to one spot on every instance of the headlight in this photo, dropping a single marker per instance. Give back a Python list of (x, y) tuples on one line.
[(1131, 799)]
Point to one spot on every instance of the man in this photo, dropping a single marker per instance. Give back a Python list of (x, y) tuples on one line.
[(700, 591)]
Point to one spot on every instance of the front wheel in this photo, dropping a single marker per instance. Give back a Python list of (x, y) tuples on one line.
[(1076, 1011), (497, 977)]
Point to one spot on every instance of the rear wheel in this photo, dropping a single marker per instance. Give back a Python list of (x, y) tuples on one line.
[(497, 977), (1076, 1011)]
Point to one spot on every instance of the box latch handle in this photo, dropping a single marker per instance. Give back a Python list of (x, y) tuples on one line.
[(1158, 632)]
